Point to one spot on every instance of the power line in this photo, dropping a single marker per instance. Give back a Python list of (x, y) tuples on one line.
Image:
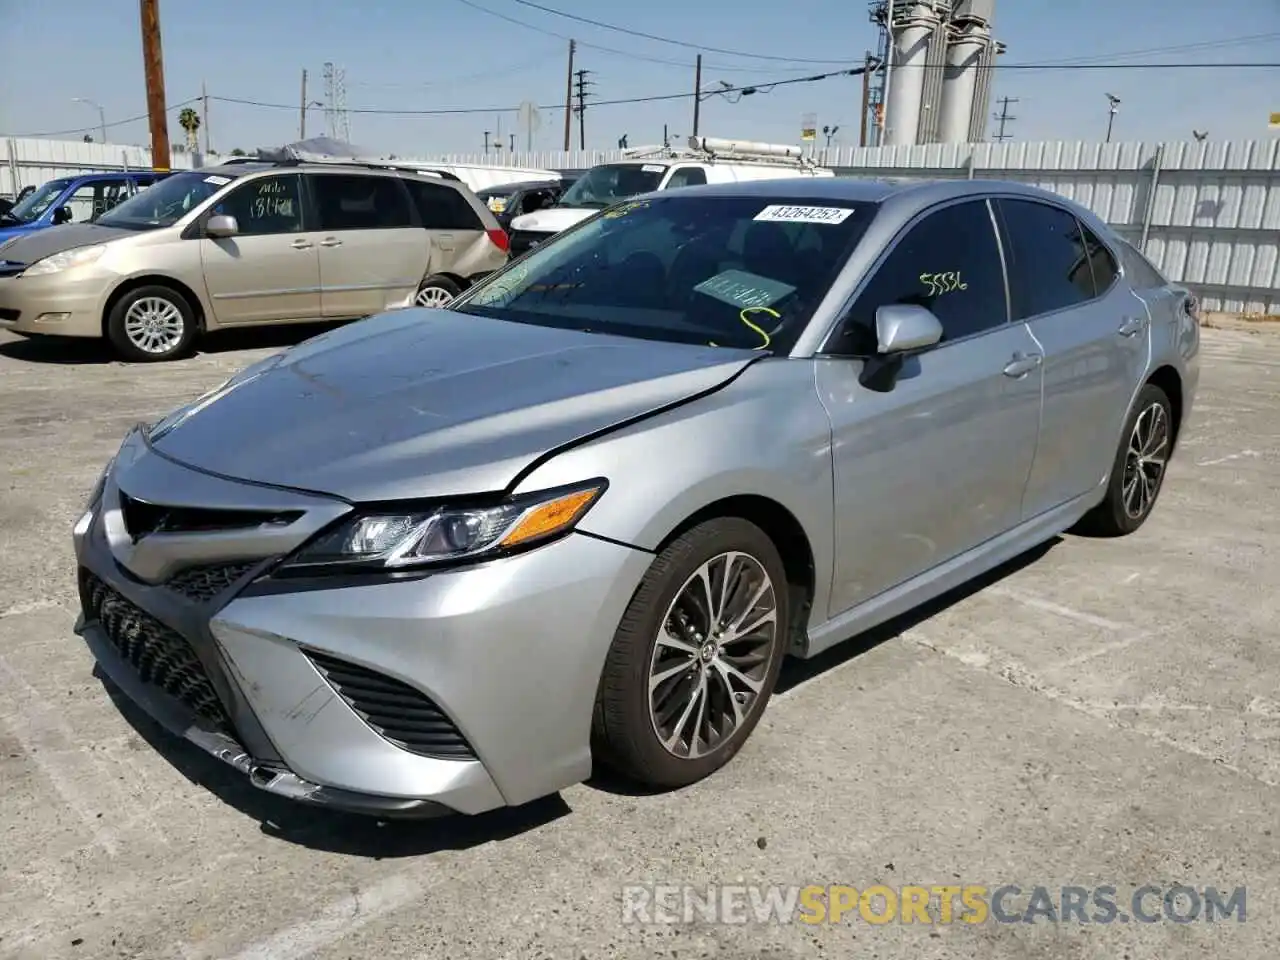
[(678, 43), (1179, 48), (114, 123)]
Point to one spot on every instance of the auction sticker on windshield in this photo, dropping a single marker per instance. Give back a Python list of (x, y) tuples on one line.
[(785, 213), (741, 289)]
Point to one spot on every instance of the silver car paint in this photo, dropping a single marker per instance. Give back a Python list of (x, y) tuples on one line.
[(885, 488)]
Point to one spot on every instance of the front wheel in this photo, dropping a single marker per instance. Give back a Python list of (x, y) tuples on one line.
[(1137, 474), (152, 323), (696, 656)]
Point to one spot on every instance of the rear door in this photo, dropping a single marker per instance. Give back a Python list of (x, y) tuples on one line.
[(373, 252), (936, 465), (270, 270), (1065, 284)]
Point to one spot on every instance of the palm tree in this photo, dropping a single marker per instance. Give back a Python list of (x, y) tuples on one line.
[(189, 120)]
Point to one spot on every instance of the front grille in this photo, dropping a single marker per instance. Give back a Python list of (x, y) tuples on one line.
[(142, 518), (161, 657), (202, 584), (399, 713), (524, 240)]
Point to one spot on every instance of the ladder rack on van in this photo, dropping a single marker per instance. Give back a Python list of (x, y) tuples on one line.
[(711, 149)]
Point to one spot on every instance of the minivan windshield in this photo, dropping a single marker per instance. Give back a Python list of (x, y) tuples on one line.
[(30, 209), (744, 272), (608, 183), (167, 202)]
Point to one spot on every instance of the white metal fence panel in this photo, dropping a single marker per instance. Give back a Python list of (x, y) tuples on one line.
[(33, 162)]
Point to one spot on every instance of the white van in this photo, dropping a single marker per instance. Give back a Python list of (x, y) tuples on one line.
[(479, 177), (708, 160)]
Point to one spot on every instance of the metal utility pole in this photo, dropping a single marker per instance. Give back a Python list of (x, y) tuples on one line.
[(1004, 118), (1113, 108), (302, 120), (581, 93), (697, 93), (204, 113), (866, 98), (568, 99), (486, 142), (153, 63), (512, 138)]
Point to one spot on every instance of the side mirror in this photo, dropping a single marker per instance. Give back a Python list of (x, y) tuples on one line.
[(906, 327), (221, 226), (61, 215)]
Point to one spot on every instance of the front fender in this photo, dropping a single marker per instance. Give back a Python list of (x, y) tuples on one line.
[(764, 435)]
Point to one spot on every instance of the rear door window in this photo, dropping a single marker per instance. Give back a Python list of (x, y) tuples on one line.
[(1049, 264), (441, 207), (359, 202)]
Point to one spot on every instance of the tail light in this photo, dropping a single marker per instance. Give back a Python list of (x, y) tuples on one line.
[(1191, 307), (500, 239)]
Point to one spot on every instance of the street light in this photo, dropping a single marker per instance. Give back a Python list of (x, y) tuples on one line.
[(1114, 108), (102, 117)]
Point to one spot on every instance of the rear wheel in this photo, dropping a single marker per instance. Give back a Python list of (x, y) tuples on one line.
[(1137, 475), (152, 323), (436, 292), (696, 656)]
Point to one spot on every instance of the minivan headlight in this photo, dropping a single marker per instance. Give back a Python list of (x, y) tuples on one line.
[(389, 540), (56, 263)]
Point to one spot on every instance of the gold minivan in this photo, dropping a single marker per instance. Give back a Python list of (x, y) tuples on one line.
[(245, 244)]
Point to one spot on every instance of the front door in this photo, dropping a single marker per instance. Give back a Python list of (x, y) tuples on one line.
[(1095, 338), (936, 465), (271, 269), (372, 254)]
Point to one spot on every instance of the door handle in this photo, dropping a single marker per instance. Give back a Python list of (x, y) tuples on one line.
[(1132, 326), (302, 244), (330, 242), (1022, 364)]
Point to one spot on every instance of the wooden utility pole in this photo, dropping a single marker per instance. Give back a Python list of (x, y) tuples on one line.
[(204, 114), (697, 92), (568, 100), (153, 62), (866, 99), (302, 121)]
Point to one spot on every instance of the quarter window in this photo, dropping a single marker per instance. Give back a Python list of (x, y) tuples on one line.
[(355, 202), (1049, 264), (1139, 269), (950, 263), (265, 206), (441, 207)]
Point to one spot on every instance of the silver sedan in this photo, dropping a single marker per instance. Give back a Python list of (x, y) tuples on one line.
[(447, 560)]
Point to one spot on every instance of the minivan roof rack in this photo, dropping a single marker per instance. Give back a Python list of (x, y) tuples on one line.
[(367, 165)]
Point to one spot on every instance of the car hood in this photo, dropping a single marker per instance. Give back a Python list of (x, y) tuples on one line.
[(37, 244), (9, 231), (429, 403), (552, 219)]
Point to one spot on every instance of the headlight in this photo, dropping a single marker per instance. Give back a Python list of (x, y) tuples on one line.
[(66, 260), (398, 541)]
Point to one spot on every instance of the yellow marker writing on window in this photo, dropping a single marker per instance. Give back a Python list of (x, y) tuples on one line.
[(773, 313), (940, 283)]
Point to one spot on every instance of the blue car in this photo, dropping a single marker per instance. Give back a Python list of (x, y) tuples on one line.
[(76, 199)]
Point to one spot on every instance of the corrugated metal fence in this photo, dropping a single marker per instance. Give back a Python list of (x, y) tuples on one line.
[(1207, 213)]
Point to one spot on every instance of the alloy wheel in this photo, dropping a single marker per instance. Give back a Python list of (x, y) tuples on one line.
[(434, 297), (712, 655), (1145, 460), (154, 325)]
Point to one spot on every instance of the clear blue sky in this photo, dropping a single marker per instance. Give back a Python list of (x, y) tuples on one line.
[(441, 54)]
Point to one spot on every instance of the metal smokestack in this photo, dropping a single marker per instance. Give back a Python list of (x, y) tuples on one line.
[(912, 26), (966, 82)]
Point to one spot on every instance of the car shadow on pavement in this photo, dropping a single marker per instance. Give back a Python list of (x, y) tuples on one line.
[(82, 351), (796, 672), (332, 831)]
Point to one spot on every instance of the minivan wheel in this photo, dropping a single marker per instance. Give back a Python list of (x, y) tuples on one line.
[(436, 292), (152, 323), (1137, 475), (696, 656)]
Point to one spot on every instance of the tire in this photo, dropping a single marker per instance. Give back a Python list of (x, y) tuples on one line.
[(1145, 443), (438, 289), (625, 732), (174, 327)]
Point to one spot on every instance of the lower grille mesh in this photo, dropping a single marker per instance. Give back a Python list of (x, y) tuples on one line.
[(202, 584), (161, 657), (398, 712)]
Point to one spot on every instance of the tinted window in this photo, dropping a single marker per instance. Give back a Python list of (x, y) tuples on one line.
[(1048, 264), (687, 177), (441, 207), (265, 206), (1101, 263), (355, 202), (663, 268), (164, 204), (1139, 269), (948, 262)]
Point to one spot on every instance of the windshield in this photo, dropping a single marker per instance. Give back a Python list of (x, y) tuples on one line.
[(611, 182), (167, 202), (36, 203), (725, 271)]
